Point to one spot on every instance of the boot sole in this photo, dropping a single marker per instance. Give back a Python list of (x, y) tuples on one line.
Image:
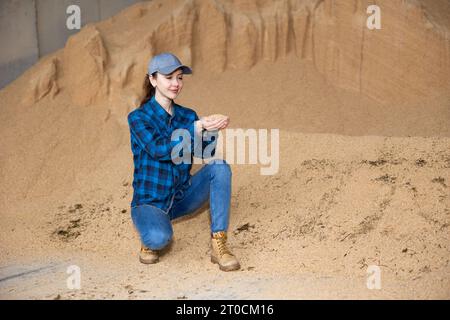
[(148, 261), (225, 268)]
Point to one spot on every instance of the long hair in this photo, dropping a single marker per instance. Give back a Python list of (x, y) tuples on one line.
[(149, 90)]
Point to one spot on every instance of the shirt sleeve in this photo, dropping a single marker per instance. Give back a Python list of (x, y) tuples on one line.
[(148, 138), (205, 140)]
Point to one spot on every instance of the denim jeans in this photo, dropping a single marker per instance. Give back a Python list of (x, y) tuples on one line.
[(212, 182)]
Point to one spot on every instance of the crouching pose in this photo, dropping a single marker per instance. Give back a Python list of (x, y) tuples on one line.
[(164, 188)]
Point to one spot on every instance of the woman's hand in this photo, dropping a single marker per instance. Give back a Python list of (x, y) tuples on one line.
[(215, 122)]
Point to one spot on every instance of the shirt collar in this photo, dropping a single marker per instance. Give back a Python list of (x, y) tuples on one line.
[(159, 111)]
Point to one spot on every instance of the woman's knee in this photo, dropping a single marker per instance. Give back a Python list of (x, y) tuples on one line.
[(157, 239), (220, 167)]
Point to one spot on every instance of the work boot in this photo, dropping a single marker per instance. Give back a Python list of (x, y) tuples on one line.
[(148, 256), (220, 253)]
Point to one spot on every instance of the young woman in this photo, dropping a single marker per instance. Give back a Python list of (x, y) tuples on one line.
[(163, 187)]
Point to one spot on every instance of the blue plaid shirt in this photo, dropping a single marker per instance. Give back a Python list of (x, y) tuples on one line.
[(156, 176)]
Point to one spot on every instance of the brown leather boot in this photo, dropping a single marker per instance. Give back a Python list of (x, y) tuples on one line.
[(148, 256), (220, 253)]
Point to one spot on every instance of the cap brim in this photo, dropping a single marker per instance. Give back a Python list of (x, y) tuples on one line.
[(169, 70)]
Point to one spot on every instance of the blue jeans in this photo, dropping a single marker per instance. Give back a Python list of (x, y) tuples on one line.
[(212, 182)]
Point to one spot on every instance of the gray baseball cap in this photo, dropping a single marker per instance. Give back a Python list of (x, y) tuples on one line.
[(166, 63)]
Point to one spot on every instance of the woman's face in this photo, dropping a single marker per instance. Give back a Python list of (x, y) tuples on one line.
[(168, 85)]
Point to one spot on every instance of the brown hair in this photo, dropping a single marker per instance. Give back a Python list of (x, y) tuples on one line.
[(149, 90)]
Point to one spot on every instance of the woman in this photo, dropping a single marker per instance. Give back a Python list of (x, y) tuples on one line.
[(163, 187)]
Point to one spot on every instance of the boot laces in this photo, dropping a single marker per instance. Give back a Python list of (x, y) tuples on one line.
[(221, 240), (223, 249)]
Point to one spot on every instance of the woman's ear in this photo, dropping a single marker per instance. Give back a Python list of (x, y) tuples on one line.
[(152, 80)]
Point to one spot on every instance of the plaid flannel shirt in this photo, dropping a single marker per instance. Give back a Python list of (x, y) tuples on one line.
[(158, 174)]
